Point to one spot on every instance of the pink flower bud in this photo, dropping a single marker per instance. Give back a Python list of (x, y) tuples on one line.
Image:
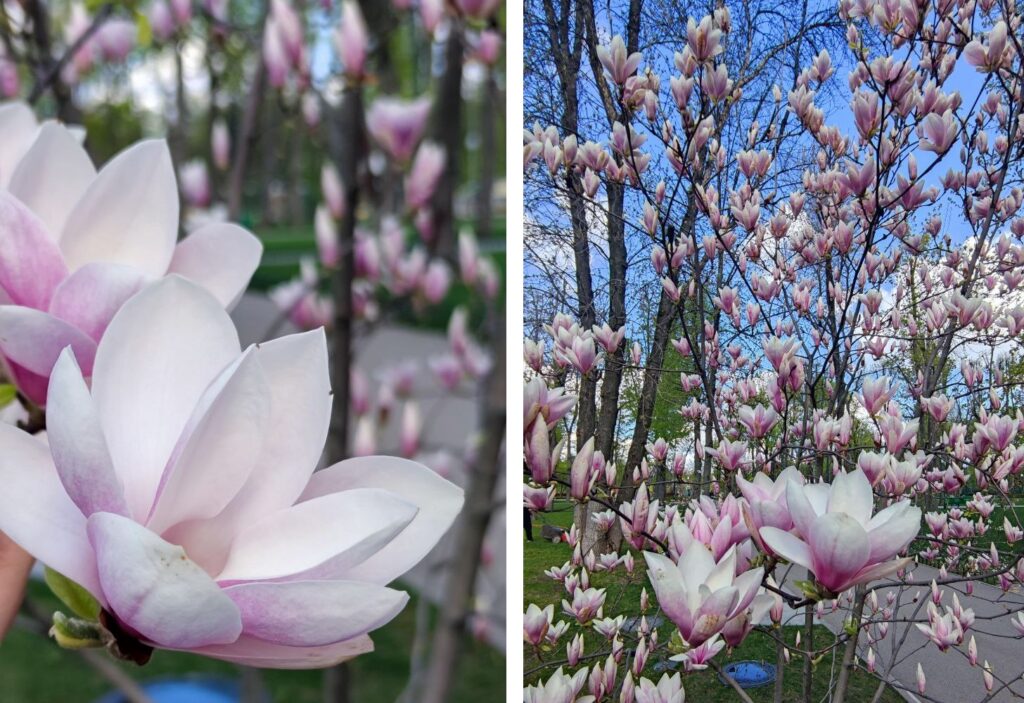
[(351, 39)]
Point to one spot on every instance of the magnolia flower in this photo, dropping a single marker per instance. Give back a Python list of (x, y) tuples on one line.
[(220, 145), (116, 38), (699, 595), (301, 300), (835, 536), (195, 183), (536, 622), (766, 502), (424, 175), (617, 62), (398, 124), (179, 492), (67, 263), (668, 690), (351, 39), (560, 688), (326, 235), (333, 190), (161, 20)]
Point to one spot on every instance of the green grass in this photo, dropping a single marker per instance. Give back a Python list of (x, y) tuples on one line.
[(33, 669), (623, 598)]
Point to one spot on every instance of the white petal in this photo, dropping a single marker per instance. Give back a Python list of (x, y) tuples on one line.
[(220, 257), (314, 613), (156, 590), (851, 494), (218, 448), (18, 126), (251, 651), (129, 214), (160, 352), (36, 513), (31, 264), (439, 502), (77, 443), (787, 546), (296, 370), (91, 296), (52, 176), (344, 529), (34, 339)]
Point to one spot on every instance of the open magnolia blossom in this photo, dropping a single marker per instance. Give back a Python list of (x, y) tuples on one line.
[(835, 537), (699, 595), (76, 244), (179, 492)]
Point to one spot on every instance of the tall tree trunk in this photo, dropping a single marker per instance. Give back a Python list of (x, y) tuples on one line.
[(448, 129), (349, 147), (652, 378), (469, 533), (613, 363), (247, 133), (179, 131)]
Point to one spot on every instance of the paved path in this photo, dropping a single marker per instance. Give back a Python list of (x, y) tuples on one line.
[(448, 423), (950, 677)]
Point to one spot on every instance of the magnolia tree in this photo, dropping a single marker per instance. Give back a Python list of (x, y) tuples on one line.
[(834, 256), (146, 451)]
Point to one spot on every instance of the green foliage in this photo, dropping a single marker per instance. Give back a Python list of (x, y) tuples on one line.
[(79, 600), (7, 394), (112, 126)]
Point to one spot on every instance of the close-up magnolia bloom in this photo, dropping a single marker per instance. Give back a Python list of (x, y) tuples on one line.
[(699, 595), (835, 536), (76, 244), (178, 490)]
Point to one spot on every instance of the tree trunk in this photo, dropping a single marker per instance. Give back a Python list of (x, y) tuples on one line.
[(349, 151), (850, 652), (652, 378), (448, 128), (247, 133), (613, 363), (469, 533)]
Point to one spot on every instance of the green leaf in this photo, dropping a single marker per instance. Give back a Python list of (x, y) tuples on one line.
[(79, 600), (73, 633), (7, 394), (145, 30)]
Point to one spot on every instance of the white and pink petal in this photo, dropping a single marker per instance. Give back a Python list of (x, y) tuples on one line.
[(156, 590), (220, 257), (439, 502), (314, 613)]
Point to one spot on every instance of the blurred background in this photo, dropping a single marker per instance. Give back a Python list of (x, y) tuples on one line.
[(271, 125)]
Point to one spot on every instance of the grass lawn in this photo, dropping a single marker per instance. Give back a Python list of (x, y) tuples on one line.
[(624, 592), (33, 669)]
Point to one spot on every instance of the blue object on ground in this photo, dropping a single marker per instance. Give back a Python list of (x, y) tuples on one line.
[(749, 674), (204, 689)]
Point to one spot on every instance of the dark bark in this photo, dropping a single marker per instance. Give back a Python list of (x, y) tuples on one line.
[(488, 146), (247, 133), (469, 533), (448, 131), (652, 377), (179, 131), (47, 71), (613, 364), (348, 146)]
